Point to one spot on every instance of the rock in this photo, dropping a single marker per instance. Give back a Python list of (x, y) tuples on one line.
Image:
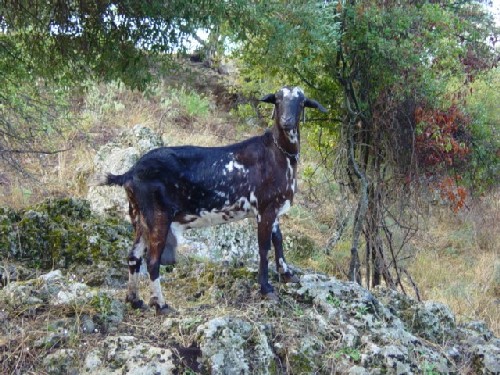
[(53, 289), (430, 320), (62, 361), (62, 232), (233, 346), (118, 157), (127, 355), (369, 332), (478, 343), (322, 325), (87, 324), (234, 243)]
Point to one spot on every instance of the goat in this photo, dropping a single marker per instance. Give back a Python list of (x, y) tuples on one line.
[(175, 188)]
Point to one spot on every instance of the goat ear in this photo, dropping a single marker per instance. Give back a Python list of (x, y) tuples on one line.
[(269, 98), (314, 104)]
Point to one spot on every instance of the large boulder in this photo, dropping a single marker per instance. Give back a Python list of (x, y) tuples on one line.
[(117, 157)]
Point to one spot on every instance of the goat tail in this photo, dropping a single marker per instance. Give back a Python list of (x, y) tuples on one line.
[(102, 179)]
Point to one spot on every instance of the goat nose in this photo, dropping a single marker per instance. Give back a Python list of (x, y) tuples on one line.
[(287, 122)]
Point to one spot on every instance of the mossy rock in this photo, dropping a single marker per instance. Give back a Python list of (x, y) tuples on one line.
[(61, 232)]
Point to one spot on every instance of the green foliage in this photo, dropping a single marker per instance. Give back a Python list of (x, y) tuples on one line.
[(194, 104), (102, 303), (348, 352), (334, 301), (66, 41), (58, 233), (376, 63), (484, 167)]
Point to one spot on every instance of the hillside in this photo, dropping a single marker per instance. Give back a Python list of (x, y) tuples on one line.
[(64, 275)]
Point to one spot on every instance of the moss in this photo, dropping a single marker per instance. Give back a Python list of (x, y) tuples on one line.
[(61, 232), (300, 363), (242, 273)]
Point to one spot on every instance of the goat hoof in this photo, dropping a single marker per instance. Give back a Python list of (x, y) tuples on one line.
[(164, 310), (271, 296), (136, 303), (289, 278)]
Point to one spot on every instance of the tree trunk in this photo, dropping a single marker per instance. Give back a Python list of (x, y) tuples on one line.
[(355, 264)]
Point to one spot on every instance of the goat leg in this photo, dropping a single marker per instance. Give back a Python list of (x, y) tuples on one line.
[(286, 276), (264, 231)]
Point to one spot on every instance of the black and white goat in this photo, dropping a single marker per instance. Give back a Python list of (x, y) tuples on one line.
[(175, 188)]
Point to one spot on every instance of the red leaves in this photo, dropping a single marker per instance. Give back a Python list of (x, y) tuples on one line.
[(451, 192), (437, 142), (441, 145)]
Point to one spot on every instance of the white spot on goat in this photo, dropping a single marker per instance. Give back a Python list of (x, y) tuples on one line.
[(294, 93), (232, 165), (293, 136), (139, 248), (283, 266), (275, 225), (156, 292), (289, 170), (177, 230), (284, 208), (253, 199), (220, 193)]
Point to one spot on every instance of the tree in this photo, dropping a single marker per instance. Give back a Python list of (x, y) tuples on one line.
[(60, 44), (393, 64)]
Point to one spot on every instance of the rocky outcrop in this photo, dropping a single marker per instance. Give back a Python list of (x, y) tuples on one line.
[(322, 325)]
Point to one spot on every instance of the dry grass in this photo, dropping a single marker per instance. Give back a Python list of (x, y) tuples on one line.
[(458, 262)]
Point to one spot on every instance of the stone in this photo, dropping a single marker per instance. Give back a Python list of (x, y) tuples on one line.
[(231, 345), (117, 157), (62, 361), (128, 355)]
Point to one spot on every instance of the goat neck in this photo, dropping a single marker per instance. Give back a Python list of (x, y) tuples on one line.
[(282, 142)]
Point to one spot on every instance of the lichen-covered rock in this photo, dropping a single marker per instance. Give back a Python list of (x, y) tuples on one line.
[(62, 361), (233, 346), (234, 243), (128, 355), (51, 288), (431, 320), (117, 157), (55, 289), (322, 325), (477, 342), (369, 333), (61, 232)]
